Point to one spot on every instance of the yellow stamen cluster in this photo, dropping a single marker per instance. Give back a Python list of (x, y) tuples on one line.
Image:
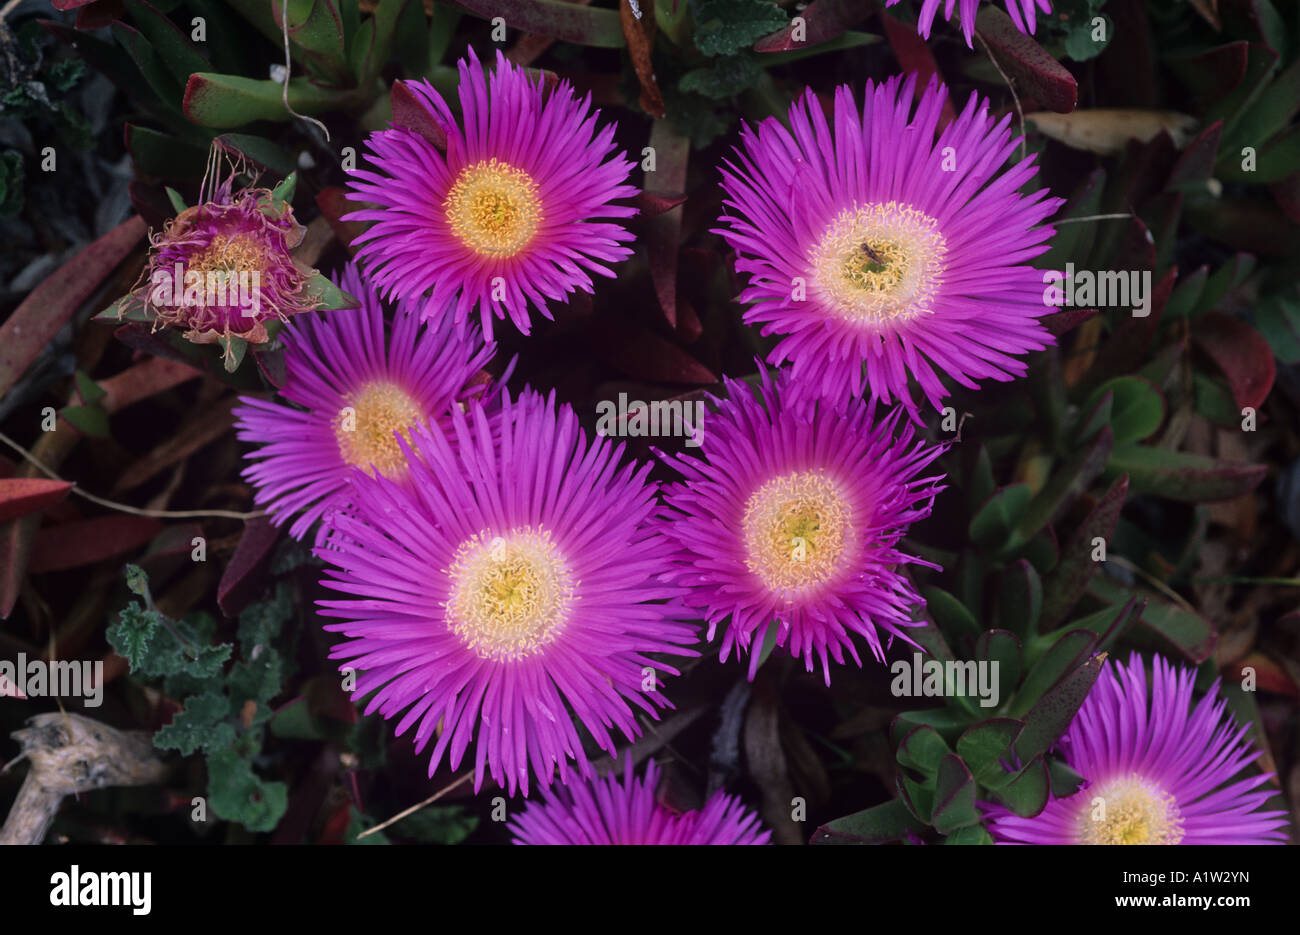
[(796, 530), (879, 262), (227, 256), (365, 427), (510, 594), (1129, 810), (494, 208)]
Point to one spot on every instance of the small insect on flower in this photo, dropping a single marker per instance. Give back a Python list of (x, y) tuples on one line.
[(1158, 770), (885, 250), (352, 392), (502, 216), (1023, 13), (510, 592), (223, 270), (607, 811), (790, 519)]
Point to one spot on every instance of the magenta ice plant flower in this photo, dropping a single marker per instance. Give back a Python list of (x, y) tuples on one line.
[(508, 216), (511, 596), (607, 811), (789, 517), (1023, 13), (1158, 769), (883, 249), (352, 386)]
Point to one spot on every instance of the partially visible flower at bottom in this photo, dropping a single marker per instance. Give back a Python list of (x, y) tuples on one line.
[(1157, 770), (607, 811)]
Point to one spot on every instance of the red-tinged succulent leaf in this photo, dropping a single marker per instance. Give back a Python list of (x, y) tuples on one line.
[(1179, 475), (1196, 164), (643, 355), (247, 570), (70, 4), (1241, 353), (20, 496), (147, 378), (823, 21), (1212, 73), (1191, 633), (651, 204), (639, 33), (554, 19), (16, 539), (1269, 676), (529, 48), (333, 205), (49, 306), (198, 430), (96, 14), (1059, 323), (151, 203), (410, 113), (1037, 74), (664, 230), (914, 55), (84, 542)]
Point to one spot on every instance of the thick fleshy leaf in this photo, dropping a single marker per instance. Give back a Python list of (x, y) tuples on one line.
[(248, 566), (84, 542), (992, 523), (922, 749), (1027, 794), (1048, 719), (1241, 353), (877, 825), (21, 496), (663, 233), (983, 745), (639, 32), (224, 101), (1182, 476), (1069, 580), (954, 797), (34, 323), (1064, 655), (1020, 598), (411, 113), (1038, 74), (1137, 408), (554, 19)]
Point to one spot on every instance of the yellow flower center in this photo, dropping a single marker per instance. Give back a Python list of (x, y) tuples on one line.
[(365, 427), (879, 262), (510, 595), (494, 208), (1128, 810), (796, 528)]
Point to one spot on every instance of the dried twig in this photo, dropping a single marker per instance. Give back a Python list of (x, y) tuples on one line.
[(70, 754)]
